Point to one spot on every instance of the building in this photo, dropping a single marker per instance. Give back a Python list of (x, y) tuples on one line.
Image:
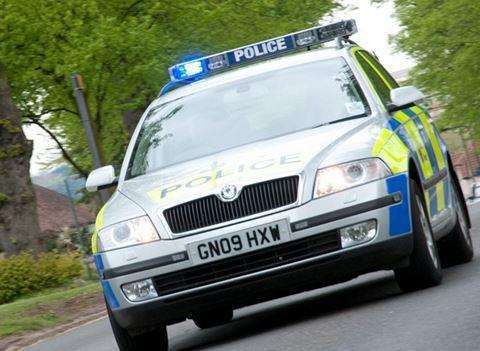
[(55, 213)]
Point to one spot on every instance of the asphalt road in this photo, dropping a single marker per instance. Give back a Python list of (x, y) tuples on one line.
[(368, 313)]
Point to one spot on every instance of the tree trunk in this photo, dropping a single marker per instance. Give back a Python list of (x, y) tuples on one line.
[(19, 229), (131, 118)]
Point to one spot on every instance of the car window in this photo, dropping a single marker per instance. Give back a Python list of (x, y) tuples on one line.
[(382, 82), (392, 83), (256, 108)]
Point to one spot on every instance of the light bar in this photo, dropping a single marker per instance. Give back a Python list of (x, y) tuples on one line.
[(194, 69)]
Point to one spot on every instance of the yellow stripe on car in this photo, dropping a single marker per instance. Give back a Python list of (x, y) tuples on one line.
[(372, 88), (99, 223), (440, 190), (380, 74), (390, 148), (401, 117), (419, 145), (431, 135)]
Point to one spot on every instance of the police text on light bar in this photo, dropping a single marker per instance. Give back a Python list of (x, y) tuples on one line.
[(195, 69)]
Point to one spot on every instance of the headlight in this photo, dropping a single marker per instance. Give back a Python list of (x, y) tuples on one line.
[(332, 179), (135, 231)]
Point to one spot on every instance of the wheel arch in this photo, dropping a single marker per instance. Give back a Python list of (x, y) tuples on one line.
[(456, 182), (414, 173)]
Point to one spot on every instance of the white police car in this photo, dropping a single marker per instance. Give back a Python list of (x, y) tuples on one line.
[(244, 183)]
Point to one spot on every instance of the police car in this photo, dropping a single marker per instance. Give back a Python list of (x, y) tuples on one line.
[(271, 169)]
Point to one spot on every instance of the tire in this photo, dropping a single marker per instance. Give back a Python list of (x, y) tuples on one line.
[(425, 268), (213, 318), (154, 339), (457, 247)]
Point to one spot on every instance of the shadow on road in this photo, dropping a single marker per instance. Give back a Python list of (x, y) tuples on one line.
[(319, 304), (292, 312), (316, 305)]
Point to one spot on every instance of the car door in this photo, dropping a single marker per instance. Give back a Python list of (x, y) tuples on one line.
[(412, 124)]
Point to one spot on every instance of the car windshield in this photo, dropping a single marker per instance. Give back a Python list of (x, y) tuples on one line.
[(248, 110)]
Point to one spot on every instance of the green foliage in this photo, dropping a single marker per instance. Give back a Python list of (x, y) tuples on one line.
[(41, 310), (23, 274), (122, 49), (11, 326), (7, 125), (3, 198), (442, 36), (11, 151)]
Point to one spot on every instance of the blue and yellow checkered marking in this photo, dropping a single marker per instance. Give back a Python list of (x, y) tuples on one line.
[(410, 129), (97, 259), (434, 138), (438, 197), (393, 124), (109, 295), (400, 218), (414, 130), (448, 189), (405, 138), (431, 200), (426, 140)]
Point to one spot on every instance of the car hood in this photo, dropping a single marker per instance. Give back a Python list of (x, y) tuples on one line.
[(268, 159)]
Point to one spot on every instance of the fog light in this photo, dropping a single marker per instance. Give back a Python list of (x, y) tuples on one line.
[(139, 291), (358, 233)]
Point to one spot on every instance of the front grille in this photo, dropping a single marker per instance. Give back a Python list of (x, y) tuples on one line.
[(248, 263), (210, 210)]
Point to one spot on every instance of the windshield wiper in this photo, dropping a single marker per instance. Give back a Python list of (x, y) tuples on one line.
[(340, 120)]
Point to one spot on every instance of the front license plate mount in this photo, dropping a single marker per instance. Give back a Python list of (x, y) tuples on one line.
[(239, 242)]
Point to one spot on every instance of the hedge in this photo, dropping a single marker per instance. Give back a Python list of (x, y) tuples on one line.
[(24, 274)]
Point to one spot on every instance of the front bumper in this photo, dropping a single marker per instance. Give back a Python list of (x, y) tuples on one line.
[(383, 200), (305, 276)]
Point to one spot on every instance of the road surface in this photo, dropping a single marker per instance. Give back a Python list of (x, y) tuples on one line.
[(368, 313)]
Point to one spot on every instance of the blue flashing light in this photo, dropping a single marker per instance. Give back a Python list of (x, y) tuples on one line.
[(196, 67), (190, 70)]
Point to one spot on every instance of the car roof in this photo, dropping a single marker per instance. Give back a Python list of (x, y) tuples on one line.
[(299, 58)]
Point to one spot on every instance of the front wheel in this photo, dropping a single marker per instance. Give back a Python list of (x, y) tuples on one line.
[(424, 269), (153, 339)]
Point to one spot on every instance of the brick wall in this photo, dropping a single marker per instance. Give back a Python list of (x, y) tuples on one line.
[(466, 162)]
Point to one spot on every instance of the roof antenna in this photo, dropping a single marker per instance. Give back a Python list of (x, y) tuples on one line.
[(339, 43)]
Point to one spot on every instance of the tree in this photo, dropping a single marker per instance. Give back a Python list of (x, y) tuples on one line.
[(19, 228), (123, 49), (442, 36)]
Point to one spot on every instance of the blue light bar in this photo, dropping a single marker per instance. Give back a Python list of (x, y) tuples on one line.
[(188, 70), (195, 69)]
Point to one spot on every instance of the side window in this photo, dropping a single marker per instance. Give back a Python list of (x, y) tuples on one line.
[(392, 83), (382, 82)]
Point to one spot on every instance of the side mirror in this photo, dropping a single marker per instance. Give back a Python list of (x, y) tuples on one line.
[(404, 96), (476, 191), (101, 178)]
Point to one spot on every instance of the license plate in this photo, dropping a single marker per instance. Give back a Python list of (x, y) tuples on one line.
[(240, 242)]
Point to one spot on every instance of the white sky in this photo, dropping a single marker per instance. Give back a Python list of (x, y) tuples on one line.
[(45, 150), (375, 25)]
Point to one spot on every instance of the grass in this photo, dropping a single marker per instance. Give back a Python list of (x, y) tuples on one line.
[(33, 313)]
